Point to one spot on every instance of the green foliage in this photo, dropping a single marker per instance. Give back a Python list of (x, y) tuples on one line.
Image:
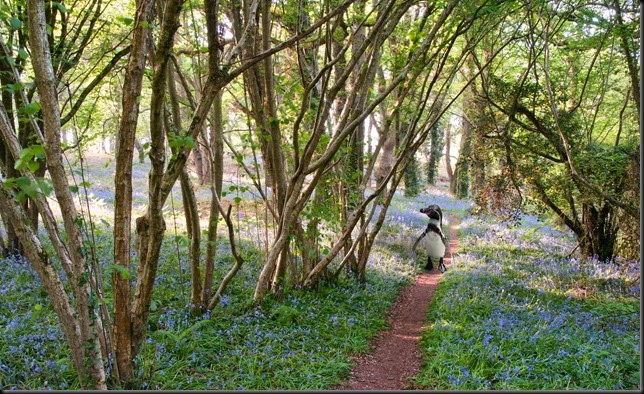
[(412, 179), (299, 341), (30, 157), (180, 142), (514, 313), (605, 165), (27, 187)]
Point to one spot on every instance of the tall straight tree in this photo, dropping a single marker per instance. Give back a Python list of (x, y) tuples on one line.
[(123, 194)]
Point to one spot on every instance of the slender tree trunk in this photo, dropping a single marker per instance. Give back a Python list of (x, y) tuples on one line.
[(7, 164), (277, 166), (123, 195), (448, 157), (91, 369), (140, 151), (628, 54), (272, 272), (461, 178), (151, 226), (194, 236), (435, 150), (189, 201), (217, 172)]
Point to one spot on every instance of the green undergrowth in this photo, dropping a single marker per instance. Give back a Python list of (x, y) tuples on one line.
[(299, 340), (516, 312)]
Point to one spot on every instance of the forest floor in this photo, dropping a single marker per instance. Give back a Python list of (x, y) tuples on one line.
[(395, 357)]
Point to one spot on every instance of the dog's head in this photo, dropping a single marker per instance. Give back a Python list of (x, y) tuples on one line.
[(433, 211)]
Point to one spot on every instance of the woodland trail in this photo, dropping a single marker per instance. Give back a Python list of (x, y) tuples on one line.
[(395, 358)]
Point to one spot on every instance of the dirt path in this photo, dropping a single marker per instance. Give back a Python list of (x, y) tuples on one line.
[(396, 357)]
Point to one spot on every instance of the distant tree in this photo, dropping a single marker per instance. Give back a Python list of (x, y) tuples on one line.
[(557, 137), (412, 178), (434, 152)]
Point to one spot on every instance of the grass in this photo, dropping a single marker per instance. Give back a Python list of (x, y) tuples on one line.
[(515, 312), (303, 340)]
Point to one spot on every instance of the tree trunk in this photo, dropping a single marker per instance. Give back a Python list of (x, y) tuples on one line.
[(190, 208), (435, 150), (91, 369), (152, 224), (194, 236), (461, 178), (122, 329), (386, 157), (217, 173), (601, 231), (448, 157), (11, 244)]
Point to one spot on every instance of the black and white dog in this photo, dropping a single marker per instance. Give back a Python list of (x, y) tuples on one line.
[(436, 242)]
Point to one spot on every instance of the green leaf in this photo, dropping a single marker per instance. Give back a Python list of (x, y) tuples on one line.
[(28, 156), (45, 186), (32, 108), (125, 273), (20, 163), (24, 184), (61, 7), (33, 166), (188, 142), (15, 23), (9, 183)]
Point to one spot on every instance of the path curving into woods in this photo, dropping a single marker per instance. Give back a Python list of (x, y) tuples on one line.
[(395, 358)]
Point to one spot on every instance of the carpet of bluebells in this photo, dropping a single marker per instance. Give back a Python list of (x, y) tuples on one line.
[(518, 311), (303, 340), (513, 312)]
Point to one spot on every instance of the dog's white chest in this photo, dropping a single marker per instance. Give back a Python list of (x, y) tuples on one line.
[(434, 244)]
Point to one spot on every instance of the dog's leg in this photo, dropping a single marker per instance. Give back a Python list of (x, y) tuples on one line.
[(430, 265)]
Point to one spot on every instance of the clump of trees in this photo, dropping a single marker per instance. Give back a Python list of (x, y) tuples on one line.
[(560, 127), (303, 86)]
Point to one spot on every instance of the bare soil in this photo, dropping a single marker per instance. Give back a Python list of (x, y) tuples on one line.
[(396, 358)]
